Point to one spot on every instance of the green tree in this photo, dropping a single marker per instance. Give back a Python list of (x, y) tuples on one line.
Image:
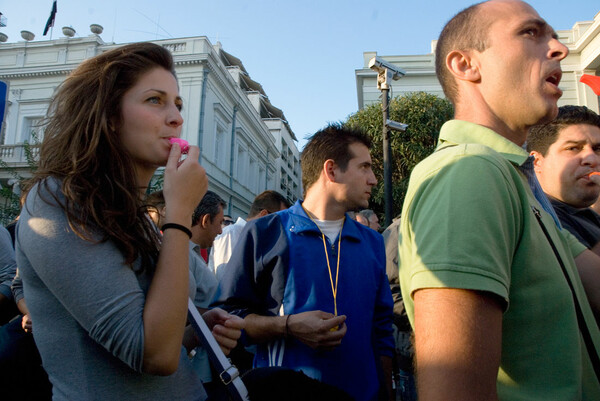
[(424, 113), (10, 205)]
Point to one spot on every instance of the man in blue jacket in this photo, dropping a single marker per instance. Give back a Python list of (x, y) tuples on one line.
[(310, 282)]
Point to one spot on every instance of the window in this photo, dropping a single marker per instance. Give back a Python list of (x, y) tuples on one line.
[(219, 156), (270, 181), (242, 161), (261, 179), (33, 131), (253, 175)]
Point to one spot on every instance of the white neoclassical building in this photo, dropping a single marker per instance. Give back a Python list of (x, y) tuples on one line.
[(583, 41), (247, 146)]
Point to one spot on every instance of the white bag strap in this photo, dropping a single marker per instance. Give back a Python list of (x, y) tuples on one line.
[(228, 373)]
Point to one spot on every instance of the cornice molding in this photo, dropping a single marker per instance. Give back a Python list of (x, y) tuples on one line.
[(189, 62), (32, 74)]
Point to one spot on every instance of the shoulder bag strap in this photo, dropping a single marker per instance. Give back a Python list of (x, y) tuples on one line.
[(585, 332), (228, 373)]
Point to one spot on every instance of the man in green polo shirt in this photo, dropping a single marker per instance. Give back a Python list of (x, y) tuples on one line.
[(492, 310)]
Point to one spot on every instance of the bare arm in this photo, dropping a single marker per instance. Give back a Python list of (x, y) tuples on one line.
[(265, 328), (596, 249), (312, 328), (458, 338), (165, 310), (225, 328), (26, 322), (588, 266)]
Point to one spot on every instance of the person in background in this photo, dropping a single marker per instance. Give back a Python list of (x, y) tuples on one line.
[(361, 219), (155, 205), (566, 151), (206, 225), (227, 220), (20, 363), (21, 371), (8, 269), (265, 203), (404, 353), (370, 218), (108, 296)]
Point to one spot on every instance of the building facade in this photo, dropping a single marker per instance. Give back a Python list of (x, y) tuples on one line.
[(583, 41), (245, 142)]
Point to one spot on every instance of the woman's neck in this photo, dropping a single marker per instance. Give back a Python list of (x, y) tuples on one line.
[(143, 179)]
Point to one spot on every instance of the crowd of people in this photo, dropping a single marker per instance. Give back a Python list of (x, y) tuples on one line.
[(487, 286)]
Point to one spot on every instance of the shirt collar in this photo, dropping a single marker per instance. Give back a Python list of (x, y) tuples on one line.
[(303, 223), (194, 247), (572, 210), (458, 132)]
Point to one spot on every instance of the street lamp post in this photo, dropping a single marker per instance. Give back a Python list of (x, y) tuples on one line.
[(385, 73), (387, 159)]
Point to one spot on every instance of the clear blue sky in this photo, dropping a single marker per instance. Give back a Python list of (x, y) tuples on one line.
[(303, 52)]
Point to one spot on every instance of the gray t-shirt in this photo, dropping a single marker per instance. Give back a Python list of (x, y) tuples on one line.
[(87, 308)]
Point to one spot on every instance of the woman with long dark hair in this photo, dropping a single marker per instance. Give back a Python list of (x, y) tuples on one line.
[(107, 294)]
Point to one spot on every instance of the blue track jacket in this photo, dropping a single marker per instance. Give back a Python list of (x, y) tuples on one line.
[(279, 267)]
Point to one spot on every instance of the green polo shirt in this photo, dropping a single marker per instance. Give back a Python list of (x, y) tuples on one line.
[(468, 223)]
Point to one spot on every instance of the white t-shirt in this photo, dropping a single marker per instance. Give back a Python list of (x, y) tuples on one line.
[(331, 228)]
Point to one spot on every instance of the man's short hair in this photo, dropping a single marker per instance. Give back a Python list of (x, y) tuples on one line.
[(270, 201), (332, 142), (155, 200), (542, 136), (467, 30), (210, 204), (367, 213)]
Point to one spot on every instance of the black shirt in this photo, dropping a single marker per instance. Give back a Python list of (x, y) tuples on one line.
[(582, 223)]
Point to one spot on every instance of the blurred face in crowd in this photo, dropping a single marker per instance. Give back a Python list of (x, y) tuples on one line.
[(227, 220), (213, 227), (207, 229), (564, 171), (374, 222)]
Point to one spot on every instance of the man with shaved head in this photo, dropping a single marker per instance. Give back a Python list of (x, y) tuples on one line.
[(494, 289)]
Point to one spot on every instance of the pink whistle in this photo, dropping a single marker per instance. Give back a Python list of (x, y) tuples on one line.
[(183, 144), (593, 173)]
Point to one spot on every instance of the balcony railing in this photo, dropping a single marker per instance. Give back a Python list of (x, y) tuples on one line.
[(15, 155)]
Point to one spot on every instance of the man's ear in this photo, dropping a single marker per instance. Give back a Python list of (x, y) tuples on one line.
[(330, 169), (463, 65), (263, 212), (205, 220), (538, 160)]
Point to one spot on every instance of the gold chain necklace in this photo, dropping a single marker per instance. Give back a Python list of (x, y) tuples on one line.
[(337, 272)]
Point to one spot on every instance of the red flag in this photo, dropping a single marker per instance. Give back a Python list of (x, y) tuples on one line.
[(592, 81), (50, 22)]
